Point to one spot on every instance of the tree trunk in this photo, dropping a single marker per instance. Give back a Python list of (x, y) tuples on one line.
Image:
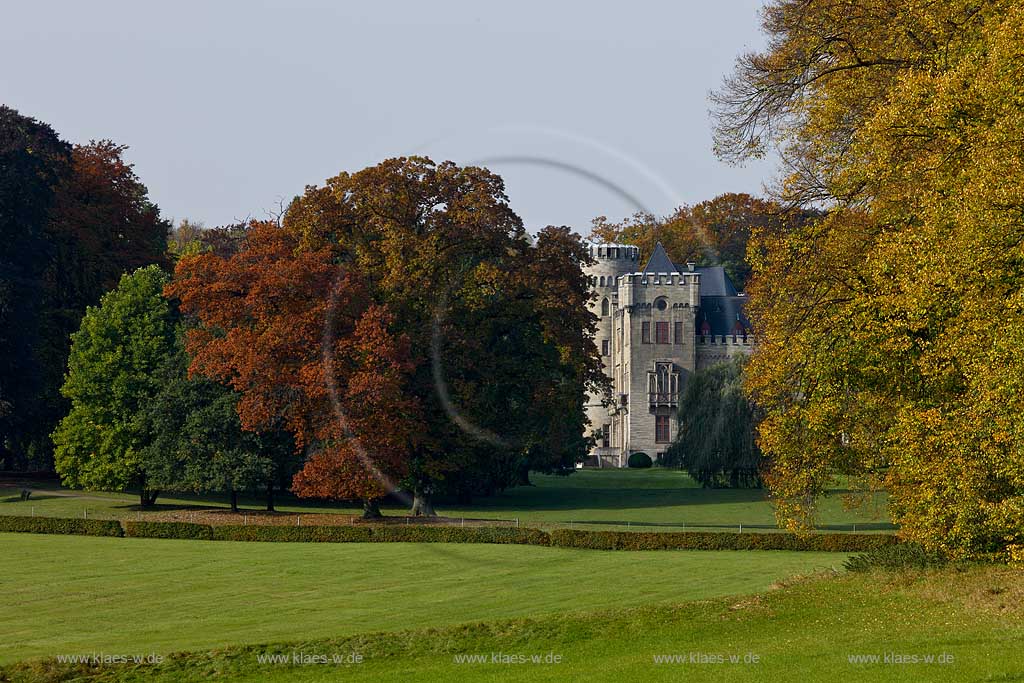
[(147, 497), (234, 500), (371, 508), (270, 495), (523, 476), (422, 506)]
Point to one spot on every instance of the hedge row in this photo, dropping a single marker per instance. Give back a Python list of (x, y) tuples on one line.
[(456, 534), (57, 525), (563, 538), (202, 532), (381, 534), (315, 534), (707, 540)]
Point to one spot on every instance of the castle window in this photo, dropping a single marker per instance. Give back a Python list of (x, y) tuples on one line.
[(604, 435), (662, 429), (660, 303), (661, 333), (645, 333), (604, 307), (605, 347), (614, 252), (678, 333)]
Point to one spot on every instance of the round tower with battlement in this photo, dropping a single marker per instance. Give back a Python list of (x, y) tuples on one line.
[(613, 261)]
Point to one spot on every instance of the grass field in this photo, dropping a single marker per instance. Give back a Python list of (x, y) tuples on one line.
[(66, 595), (596, 499), (969, 622)]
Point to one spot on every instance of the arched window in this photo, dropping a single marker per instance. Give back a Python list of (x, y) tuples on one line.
[(604, 307)]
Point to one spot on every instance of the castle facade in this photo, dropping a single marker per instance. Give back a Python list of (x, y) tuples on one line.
[(658, 323)]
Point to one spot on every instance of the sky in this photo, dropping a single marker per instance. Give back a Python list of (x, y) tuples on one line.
[(231, 108)]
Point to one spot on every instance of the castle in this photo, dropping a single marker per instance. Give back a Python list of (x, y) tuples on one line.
[(657, 324)]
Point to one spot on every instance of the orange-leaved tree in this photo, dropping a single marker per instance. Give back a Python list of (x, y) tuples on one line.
[(295, 332)]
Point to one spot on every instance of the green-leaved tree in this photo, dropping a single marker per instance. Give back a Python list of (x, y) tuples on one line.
[(113, 373)]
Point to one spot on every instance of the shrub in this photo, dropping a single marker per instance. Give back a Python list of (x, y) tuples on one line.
[(902, 556), (202, 532), (698, 540), (290, 534), (57, 525), (639, 460), (455, 534)]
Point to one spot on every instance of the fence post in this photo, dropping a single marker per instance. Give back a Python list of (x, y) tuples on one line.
[(296, 520), (33, 510), (517, 522), (85, 513), (245, 520), (855, 527), (741, 528)]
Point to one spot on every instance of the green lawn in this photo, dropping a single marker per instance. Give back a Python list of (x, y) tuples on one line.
[(971, 620), (69, 595), (595, 499)]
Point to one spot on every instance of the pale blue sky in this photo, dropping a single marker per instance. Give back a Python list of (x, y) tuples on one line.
[(230, 106)]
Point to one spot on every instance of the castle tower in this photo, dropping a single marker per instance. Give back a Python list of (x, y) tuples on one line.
[(658, 322), (659, 305), (612, 262)]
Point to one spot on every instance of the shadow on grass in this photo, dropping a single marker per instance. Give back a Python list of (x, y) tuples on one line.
[(32, 499)]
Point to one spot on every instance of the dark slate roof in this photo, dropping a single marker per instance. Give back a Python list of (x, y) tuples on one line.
[(714, 281), (659, 261), (722, 314), (720, 305)]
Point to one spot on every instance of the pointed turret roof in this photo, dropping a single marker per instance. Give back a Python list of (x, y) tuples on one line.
[(659, 261)]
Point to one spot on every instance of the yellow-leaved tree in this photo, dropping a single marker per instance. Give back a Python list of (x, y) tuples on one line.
[(891, 332)]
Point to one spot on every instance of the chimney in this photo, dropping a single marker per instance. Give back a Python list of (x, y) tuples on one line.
[(690, 266)]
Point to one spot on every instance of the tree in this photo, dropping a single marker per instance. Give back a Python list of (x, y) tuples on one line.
[(715, 442), (889, 330), (33, 163), (712, 232), (190, 237), (194, 440), (440, 247), (308, 353), (558, 290), (113, 373)]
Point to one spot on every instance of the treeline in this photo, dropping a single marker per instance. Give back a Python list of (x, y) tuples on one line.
[(395, 330), (73, 219)]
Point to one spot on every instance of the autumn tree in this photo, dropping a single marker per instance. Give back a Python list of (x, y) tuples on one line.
[(712, 232), (113, 373), (440, 247), (292, 329), (190, 237), (715, 442), (889, 330)]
